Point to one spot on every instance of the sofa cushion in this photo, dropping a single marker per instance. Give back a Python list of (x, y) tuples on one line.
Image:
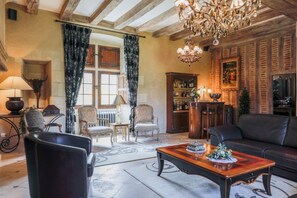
[(291, 137), (91, 164), (283, 156), (249, 146), (264, 127)]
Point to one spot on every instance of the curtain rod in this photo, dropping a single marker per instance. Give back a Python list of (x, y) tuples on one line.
[(97, 28)]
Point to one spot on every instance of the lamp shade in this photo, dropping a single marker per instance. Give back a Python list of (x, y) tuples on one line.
[(15, 82), (119, 100), (15, 104)]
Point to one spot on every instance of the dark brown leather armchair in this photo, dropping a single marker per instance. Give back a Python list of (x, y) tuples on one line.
[(59, 165)]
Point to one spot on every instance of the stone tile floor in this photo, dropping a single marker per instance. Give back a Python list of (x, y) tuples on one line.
[(113, 181)]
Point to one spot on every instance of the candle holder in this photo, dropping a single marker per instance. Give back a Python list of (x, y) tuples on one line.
[(215, 96)]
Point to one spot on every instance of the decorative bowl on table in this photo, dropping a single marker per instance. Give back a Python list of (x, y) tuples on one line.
[(222, 157), (215, 96)]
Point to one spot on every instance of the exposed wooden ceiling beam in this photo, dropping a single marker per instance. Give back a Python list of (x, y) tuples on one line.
[(263, 16), (68, 8), (251, 33), (136, 12), (110, 25), (32, 6), (176, 27), (157, 19), (286, 7), (103, 10)]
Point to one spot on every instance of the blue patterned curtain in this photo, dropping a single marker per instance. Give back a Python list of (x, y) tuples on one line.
[(131, 53), (76, 43)]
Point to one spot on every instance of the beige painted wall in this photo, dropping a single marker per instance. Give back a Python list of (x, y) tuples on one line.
[(40, 38), (2, 21), (35, 37), (158, 56)]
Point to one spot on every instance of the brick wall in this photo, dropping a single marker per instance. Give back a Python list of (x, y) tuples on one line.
[(259, 61)]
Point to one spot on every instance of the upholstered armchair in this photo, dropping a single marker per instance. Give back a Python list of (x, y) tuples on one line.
[(59, 165), (145, 121), (89, 123), (34, 121)]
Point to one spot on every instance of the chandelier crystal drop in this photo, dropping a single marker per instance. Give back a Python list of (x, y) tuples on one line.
[(216, 18), (190, 53)]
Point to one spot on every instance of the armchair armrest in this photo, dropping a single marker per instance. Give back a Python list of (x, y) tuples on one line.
[(219, 134), (76, 141)]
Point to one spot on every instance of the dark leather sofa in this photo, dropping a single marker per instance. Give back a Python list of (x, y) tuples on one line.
[(270, 136), (59, 165)]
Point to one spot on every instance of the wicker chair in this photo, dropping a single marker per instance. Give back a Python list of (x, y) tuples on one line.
[(144, 120), (89, 123), (35, 122)]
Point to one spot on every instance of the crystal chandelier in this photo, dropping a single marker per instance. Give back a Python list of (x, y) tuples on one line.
[(216, 17), (190, 53)]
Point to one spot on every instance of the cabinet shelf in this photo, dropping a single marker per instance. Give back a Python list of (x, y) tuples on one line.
[(178, 86), (181, 111)]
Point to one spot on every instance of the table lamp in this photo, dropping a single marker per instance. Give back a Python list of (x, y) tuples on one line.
[(119, 100), (15, 104)]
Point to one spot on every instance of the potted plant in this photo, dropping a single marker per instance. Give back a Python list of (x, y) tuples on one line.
[(244, 103)]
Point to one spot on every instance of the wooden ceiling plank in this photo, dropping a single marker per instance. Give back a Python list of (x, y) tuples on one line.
[(251, 33), (136, 12), (181, 34), (68, 8), (32, 6), (172, 11), (110, 25), (103, 10), (176, 27), (283, 7)]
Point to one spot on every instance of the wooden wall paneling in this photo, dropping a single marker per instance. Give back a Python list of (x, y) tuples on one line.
[(275, 51), (243, 67), (294, 52), (269, 77), (226, 53), (263, 77), (218, 72), (234, 51), (287, 52), (252, 77)]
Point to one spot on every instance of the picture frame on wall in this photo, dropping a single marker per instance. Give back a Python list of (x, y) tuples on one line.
[(230, 73)]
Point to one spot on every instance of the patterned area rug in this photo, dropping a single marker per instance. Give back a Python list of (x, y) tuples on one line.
[(174, 184), (126, 151)]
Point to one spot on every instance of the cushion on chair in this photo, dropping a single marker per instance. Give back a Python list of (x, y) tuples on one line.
[(146, 127), (99, 130)]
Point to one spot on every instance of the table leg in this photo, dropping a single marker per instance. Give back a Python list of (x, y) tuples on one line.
[(160, 164), (225, 185), (266, 183)]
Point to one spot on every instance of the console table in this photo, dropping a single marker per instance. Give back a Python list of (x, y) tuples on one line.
[(12, 140)]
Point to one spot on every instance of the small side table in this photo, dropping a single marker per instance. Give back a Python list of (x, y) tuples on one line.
[(123, 128), (52, 123)]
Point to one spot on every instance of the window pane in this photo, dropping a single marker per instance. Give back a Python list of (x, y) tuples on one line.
[(88, 89), (104, 89), (88, 77), (114, 79), (88, 100), (111, 98), (113, 89), (104, 78), (79, 100), (104, 100)]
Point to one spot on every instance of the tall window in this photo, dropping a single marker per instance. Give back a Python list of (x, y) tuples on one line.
[(108, 89), (100, 83), (86, 91)]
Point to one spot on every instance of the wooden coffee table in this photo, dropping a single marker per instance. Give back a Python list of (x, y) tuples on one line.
[(245, 170)]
